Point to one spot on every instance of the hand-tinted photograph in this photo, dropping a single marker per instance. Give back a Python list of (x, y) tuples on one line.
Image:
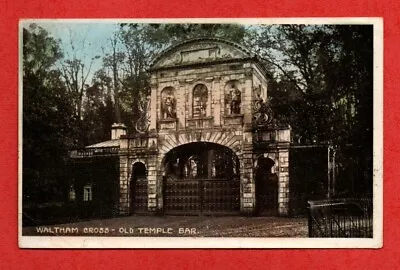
[(209, 130)]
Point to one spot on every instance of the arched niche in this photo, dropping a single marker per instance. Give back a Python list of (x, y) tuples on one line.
[(266, 181), (138, 188), (138, 171), (168, 103), (233, 98)]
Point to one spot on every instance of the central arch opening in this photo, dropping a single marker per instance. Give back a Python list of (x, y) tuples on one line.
[(201, 178)]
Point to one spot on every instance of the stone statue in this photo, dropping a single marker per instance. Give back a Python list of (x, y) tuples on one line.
[(235, 96), (169, 108)]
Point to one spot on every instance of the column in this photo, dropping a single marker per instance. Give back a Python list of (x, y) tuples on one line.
[(181, 104), (216, 102), (209, 98), (152, 191)]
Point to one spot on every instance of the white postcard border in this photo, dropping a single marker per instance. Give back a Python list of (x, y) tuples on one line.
[(66, 242)]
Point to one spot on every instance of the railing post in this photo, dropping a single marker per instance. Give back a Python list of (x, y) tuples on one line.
[(330, 220), (310, 225)]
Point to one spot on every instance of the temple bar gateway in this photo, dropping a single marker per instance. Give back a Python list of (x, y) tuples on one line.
[(206, 143)]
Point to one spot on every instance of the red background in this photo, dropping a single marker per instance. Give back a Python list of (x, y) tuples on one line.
[(11, 257)]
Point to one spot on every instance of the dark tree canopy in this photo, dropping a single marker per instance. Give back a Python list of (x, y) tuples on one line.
[(48, 118)]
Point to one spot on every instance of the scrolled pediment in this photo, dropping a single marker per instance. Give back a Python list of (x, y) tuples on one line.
[(200, 51)]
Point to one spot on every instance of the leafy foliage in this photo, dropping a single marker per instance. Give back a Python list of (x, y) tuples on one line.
[(323, 86), (48, 118), (318, 77)]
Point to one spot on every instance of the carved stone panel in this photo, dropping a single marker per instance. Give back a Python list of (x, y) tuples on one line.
[(200, 52)]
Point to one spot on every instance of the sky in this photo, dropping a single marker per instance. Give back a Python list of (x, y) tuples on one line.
[(88, 38)]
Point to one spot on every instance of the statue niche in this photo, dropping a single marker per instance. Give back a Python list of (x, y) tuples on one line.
[(168, 103), (233, 98)]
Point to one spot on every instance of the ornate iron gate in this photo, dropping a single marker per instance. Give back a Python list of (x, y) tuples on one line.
[(201, 196), (139, 196)]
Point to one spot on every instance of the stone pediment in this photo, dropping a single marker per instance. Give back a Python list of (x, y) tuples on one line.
[(200, 51)]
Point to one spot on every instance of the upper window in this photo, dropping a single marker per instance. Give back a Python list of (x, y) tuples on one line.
[(200, 99), (87, 193)]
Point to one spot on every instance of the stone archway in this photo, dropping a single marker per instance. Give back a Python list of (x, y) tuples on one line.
[(138, 188), (231, 139), (201, 178), (266, 181)]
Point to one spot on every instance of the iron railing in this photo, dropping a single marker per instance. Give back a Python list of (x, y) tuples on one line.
[(89, 152), (343, 218)]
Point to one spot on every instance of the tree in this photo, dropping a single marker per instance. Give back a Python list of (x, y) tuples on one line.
[(323, 86), (98, 114), (110, 72), (306, 61), (182, 32), (354, 77), (75, 69), (48, 118), (40, 51), (101, 99)]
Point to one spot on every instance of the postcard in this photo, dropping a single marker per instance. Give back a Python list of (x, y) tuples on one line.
[(201, 133)]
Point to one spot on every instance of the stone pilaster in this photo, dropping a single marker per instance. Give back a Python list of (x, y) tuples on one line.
[(247, 187), (217, 101), (209, 100), (154, 198), (123, 186), (181, 104), (247, 99), (283, 185), (152, 192)]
